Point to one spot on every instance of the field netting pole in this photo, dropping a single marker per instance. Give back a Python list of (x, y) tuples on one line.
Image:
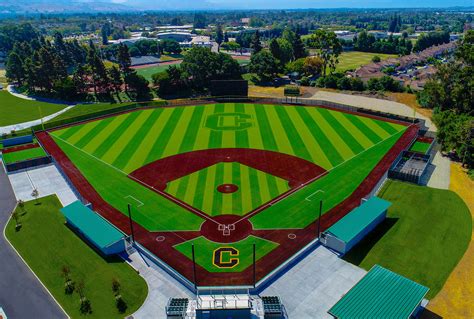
[(319, 219), (131, 222), (194, 267), (254, 268)]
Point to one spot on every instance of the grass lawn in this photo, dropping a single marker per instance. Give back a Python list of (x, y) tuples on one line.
[(425, 235), (14, 110), (149, 71), (420, 147), (23, 155), (3, 79), (47, 244), (354, 59)]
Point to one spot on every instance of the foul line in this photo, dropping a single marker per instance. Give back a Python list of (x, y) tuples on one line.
[(290, 193), (171, 198)]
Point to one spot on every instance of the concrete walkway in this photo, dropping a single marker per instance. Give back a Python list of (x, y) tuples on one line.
[(315, 284), (46, 179), (21, 294), (161, 287)]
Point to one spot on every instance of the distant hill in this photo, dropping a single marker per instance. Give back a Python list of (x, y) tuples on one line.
[(60, 6)]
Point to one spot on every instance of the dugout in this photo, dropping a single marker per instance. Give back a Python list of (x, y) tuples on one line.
[(90, 225), (353, 227), (381, 293)]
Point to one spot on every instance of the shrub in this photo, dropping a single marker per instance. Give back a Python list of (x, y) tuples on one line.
[(292, 90), (121, 304), (374, 85), (376, 59), (331, 81), (344, 83), (321, 82), (357, 84), (304, 81)]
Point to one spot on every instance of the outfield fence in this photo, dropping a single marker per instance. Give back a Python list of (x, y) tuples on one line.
[(224, 99)]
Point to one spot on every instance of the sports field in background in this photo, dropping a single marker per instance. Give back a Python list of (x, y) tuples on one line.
[(143, 158), (351, 60), (148, 71)]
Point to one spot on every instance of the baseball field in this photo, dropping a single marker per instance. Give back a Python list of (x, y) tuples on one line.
[(220, 178)]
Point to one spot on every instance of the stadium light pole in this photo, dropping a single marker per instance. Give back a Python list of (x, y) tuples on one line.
[(131, 222), (194, 267), (319, 219), (254, 267)]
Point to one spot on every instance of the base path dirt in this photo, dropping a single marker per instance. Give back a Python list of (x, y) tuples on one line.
[(456, 298)]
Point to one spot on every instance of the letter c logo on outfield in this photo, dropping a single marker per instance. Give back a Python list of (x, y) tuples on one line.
[(225, 257), (228, 121)]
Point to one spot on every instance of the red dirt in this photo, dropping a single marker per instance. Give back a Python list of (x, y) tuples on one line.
[(425, 139), (227, 188), (157, 174), (19, 148), (213, 229), (157, 64), (287, 246)]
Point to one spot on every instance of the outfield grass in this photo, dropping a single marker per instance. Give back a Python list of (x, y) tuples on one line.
[(14, 110), (425, 235), (353, 59), (204, 252), (23, 155), (149, 71), (47, 244), (420, 147), (110, 149)]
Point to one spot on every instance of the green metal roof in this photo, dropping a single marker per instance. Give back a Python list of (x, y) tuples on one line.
[(97, 229), (380, 294), (353, 223)]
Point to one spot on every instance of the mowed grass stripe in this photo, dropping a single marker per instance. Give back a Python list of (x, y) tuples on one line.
[(132, 146), (120, 143), (237, 196), (375, 127), (204, 133), (191, 188), (228, 178), (209, 190), (255, 187), (316, 141), (294, 139), (190, 136), (371, 135), (138, 159), (332, 140), (215, 138), (272, 185), (263, 187), (348, 135), (245, 189), (183, 186), (84, 129), (228, 136), (101, 125), (241, 136), (67, 132), (266, 134), (174, 143), (97, 140), (163, 138), (200, 188), (282, 139), (115, 135), (390, 128), (217, 202)]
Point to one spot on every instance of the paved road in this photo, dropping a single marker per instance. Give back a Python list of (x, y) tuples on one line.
[(21, 295)]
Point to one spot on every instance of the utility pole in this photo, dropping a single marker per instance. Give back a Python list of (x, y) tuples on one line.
[(254, 267), (319, 219), (194, 267), (131, 223)]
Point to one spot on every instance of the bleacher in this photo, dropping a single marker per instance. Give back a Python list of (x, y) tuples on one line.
[(272, 307), (177, 307)]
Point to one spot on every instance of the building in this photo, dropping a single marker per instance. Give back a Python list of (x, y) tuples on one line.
[(100, 233), (353, 227), (381, 294), (176, 35)]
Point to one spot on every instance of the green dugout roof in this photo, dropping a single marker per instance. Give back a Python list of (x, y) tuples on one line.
[(92, 225), (357, 220), (380, 294)]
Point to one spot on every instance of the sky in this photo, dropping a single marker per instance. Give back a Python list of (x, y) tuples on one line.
[(290, 4)]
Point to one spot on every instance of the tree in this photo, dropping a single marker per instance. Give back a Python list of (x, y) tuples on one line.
[(275, 49), (299, 51), (199, 21), (35, 195), (264, 65), (255, 44), (313, 65), (14, 68), (328, 48), (115, 80), (219, 37), (16, 217), (105, 32), (170, 46), (376, 59), (138, 84)]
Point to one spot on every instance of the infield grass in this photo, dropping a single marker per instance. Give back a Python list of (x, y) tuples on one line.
[(420, 147), (23, 155)]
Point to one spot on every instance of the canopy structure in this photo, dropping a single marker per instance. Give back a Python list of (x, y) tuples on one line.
[(348, 231), (102, 234), (380, 294)]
